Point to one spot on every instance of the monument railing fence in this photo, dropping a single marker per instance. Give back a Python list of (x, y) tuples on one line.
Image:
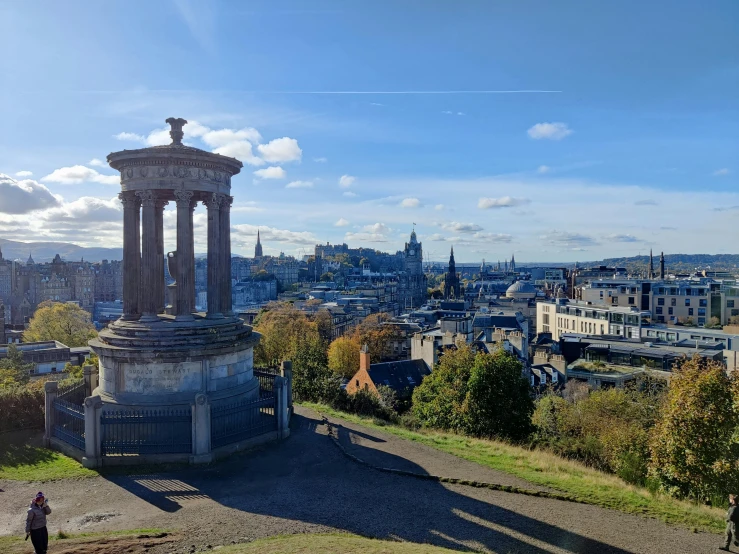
[(266, 379), (73, 392), (144, 432), (232, 422), (69, 423)]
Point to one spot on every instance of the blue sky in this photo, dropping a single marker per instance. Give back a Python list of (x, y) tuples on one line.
[(636, 145)]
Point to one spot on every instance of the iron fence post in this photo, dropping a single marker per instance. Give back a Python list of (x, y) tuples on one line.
[(51, 390), (282, 412), (286, 370), (93, 408), (201, 453)]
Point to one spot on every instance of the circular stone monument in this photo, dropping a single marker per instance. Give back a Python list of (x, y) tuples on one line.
[(166, 356)]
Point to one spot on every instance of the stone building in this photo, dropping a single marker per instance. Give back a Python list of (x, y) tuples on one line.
[(452, 288), (412, 281)]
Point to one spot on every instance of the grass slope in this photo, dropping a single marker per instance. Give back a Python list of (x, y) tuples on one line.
[(546, 469), (338, 543), (22, 458)]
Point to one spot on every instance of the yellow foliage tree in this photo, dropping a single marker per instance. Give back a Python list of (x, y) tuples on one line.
[(60, 321), (282, 326), (343, 356)]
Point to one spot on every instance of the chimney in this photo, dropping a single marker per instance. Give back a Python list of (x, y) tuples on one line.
[(364, 358)]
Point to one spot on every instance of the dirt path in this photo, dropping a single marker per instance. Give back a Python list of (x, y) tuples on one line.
[(305, 484)]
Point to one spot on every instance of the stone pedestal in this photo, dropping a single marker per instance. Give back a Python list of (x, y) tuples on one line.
[(201, 430), (93, 409)]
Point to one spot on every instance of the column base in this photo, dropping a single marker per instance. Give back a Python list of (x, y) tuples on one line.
[(130, 317), (149, 318), (216, 315), (184, 317)]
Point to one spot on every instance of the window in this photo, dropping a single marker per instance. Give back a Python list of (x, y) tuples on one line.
[(690, 311), (734, 312), (701, 311), (703, 302), (631, 299), (659, 309), (602, 331), (671, 311), (729, 303), (660, 319), (660, 302), (687, 301), (701, 321), (673, 301)]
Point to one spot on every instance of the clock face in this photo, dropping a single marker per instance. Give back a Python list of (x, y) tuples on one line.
[(412, 252)]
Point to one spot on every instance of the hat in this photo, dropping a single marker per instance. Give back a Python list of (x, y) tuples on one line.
[(39, 495)]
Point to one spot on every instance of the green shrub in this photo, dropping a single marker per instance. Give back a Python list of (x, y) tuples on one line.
[(21, 408)]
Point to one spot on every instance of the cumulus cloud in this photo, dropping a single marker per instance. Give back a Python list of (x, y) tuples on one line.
[(241, 150), (503, 202), (130, 137), (299, 185), (410, 203), (97, 162), (283, 149), (22, 197), (549, 131), (377, 232), (568, 240), (77, 174), (616, 237), (245, 234), (457, 227), (350, 194), (718, 173), (273, 172), (341, 222), (345, 181), (223, 137), (88, 209), (439, 207), (23, 173)]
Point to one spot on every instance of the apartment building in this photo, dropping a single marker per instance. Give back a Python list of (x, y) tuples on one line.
[(560, 316)]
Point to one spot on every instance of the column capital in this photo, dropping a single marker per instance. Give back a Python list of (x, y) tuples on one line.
[(129, 199), (146, 197), (183, 198), (160, 203), (227, 201), (213, 201)]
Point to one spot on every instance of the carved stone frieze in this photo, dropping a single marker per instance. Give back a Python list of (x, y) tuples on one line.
[(133, 173)]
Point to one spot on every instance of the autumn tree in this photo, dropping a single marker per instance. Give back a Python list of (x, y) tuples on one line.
[(343, 356), (375, 335), (694, 445), (325, 326), (280, 325), (64, 322)]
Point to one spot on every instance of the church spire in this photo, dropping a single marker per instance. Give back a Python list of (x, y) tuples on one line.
[(651, 265), (662, 265), (258, 247)]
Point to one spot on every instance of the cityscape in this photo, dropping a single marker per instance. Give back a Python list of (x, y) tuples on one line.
[(368, 277)]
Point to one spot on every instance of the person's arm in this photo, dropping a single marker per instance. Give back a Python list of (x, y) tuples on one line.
[(29, 519), (46, 508), (730, 513)]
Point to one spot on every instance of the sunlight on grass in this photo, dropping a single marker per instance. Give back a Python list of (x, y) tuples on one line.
[(22, 460), (549, 470)]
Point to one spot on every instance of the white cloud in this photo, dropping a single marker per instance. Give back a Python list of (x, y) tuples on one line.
[(97, 162), (439, 207), (129, 136), (283, 149), (549, 131), (223, 137), (341, 222), (350, 194), (377, 232), (76, 174), (447, 112), (503, 202), (23, 173), (273, 172), (87, 209), (718, 173), (241, 150), (244, 234), (22, 197), (544, 169), (299, 185), (460, 113), (456, 227), (345, 181), (619, 237), (569, 240), (320, 160), (410, 203)]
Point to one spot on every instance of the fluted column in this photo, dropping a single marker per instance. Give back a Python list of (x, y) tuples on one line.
[(185, 255), (226, 303), (159, 234), (213, 203), (149, 278), (131, 256)]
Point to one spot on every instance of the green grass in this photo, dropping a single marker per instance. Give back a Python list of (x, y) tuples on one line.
[(23, 459), (11, 544), (543, 468), (334, 543)]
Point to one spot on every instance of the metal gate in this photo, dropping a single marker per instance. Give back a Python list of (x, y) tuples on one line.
[(146, 432), (240, 420)]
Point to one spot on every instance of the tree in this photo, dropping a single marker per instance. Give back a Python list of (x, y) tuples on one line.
[(325, 325), (438, 401), (327, 277), (694, 445), (343, 356), (13, 370), (280, 325), (498, 401), (375, 335), (64, 322), (714, 323)]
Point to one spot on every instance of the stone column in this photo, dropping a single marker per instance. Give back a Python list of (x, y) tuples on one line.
[(51, 390), (93, 409), (226, 301), (149, 265), (159, 234), (131, 256), (185, 255), (282, 412), (213, 203)]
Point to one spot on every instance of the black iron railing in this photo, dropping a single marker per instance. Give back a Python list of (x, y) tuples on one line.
[(237, 421), (266, 383), (69, 423), (73, 392), (146, 432)]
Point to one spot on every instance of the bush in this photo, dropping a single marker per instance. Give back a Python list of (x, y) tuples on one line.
[(21, 408)]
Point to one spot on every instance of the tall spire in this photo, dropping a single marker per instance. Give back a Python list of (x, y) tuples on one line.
[(651, 265), (662, 265), (258, 247)]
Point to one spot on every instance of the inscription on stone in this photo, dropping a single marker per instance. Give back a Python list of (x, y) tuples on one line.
[(162, 378)]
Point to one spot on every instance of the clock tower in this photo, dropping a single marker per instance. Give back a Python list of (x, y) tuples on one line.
[(413, 260)]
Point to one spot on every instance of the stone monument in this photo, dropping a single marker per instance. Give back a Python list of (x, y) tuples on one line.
[(156, 356)]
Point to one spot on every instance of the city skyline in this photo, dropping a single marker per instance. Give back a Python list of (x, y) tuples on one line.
[(550, 132)]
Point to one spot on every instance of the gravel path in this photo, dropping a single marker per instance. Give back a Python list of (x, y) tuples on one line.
[(305, 484)]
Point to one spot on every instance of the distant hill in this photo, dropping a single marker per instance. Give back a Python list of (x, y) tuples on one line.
[(673, 262), (45, 251)]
